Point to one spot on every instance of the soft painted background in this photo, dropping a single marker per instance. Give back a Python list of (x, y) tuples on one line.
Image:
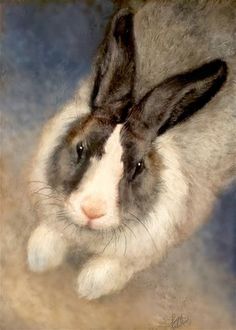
[(45, 49)]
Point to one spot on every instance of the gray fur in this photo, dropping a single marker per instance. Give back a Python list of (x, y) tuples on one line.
[(197, 157), (172, 37), (176, 36)]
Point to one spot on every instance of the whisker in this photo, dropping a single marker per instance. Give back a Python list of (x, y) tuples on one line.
[(68, 225), (37, 181), (123, 231), (45, 185), (126, 225), (153, 242), (108, 243), (115, 239), (52, 194), (53, 214), (39, 205), (49, 196), (40, 189)]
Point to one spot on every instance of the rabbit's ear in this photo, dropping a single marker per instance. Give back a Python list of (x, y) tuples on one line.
[(178, 98), (114, 70)]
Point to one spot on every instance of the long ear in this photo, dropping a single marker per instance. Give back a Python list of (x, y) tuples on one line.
[(177, 98), (115, 66)]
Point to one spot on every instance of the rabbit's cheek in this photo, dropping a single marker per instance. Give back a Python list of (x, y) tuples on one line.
[(73, 208)]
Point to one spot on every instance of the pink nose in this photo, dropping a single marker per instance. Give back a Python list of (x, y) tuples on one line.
[(93, 208)]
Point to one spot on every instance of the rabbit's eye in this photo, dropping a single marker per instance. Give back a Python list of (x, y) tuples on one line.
[(139, 168), (80, 151)]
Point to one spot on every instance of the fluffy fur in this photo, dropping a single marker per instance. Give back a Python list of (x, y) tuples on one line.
[(198, 157)]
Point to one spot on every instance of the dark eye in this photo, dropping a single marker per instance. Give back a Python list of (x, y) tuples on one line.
[(139, 168), (80, 151)]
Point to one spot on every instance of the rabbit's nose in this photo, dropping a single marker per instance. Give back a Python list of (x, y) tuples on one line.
[(94, 208)]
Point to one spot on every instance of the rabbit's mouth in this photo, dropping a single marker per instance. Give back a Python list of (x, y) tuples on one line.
[(104, 222), (115, 223)]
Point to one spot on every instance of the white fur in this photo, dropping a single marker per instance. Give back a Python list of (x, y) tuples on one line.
[(132, 252), (46, 249), (98, 190), (101, 276)]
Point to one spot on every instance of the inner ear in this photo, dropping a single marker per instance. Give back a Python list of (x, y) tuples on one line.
[(198, 88), (177, 98), (123, 28), (115, 67)]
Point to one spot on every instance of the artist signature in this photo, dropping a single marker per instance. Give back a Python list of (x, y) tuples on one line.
[(178, 321)]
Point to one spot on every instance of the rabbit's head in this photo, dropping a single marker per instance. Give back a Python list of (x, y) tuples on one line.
[(103, 169)]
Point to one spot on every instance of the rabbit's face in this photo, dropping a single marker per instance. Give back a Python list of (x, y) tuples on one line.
[(103, 174), (106, 170)]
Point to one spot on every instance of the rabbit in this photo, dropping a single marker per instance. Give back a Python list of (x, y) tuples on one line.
[(134, 164)]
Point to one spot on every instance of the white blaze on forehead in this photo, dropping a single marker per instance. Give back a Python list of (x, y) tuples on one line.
[(113, 151), (106, 172), (101, 182)]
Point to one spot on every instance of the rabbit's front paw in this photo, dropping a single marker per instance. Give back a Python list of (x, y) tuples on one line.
[(46, 249), (100, 277)]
